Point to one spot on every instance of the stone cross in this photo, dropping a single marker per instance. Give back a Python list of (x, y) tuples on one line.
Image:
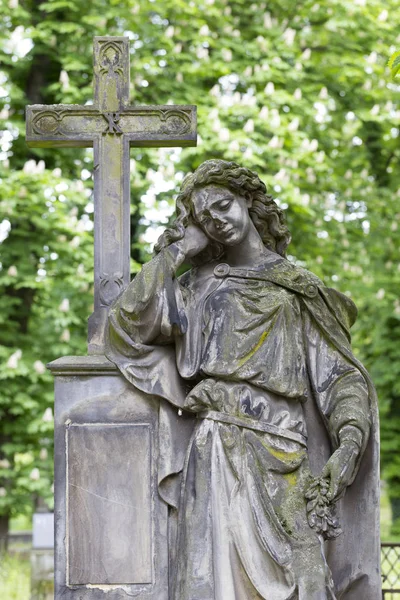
[(111, 126)]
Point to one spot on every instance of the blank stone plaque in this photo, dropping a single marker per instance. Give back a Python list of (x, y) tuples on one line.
[(109, 504)]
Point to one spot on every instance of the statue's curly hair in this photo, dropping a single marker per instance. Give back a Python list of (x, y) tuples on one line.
[(267, 217)]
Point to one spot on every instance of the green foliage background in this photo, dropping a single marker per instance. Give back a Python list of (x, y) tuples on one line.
[(297, 91)]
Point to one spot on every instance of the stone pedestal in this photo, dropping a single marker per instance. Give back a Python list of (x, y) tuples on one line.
[(111, 527)]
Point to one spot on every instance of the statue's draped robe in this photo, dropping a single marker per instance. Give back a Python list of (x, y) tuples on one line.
[(262, 358)]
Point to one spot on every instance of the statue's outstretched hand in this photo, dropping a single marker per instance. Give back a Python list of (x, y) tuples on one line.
[(195, 241), (340, 469)]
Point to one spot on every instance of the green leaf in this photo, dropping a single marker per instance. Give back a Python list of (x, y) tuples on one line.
[(394, 64)]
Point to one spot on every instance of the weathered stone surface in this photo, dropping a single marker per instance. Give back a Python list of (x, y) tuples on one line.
[(111, 525), (69, 126), (108, 499), (111, 127), (279, 482)]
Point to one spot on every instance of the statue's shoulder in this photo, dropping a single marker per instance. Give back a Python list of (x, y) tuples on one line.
[(343, 306), (340, 304), (297, 273), (294, 277)]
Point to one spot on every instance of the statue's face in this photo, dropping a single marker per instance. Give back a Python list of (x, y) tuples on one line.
[(222, 214)]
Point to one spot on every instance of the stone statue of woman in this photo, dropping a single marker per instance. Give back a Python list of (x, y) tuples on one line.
[(268, 427)]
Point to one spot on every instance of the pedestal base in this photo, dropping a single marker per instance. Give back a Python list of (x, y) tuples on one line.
[(111, 526)]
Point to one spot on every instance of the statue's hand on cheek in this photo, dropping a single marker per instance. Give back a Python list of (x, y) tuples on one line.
[(194, 242), (339, 469)]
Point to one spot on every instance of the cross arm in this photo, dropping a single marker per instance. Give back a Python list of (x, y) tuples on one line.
[(58, 125), (61, 125)]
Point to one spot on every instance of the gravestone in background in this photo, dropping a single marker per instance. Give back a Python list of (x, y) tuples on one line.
[(42, 557), (111, 526)]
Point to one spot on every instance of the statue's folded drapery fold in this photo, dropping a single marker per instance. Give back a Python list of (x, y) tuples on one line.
[(266, 365)]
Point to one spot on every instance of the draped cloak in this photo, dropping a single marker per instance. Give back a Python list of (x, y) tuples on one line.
[(273, 335)]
